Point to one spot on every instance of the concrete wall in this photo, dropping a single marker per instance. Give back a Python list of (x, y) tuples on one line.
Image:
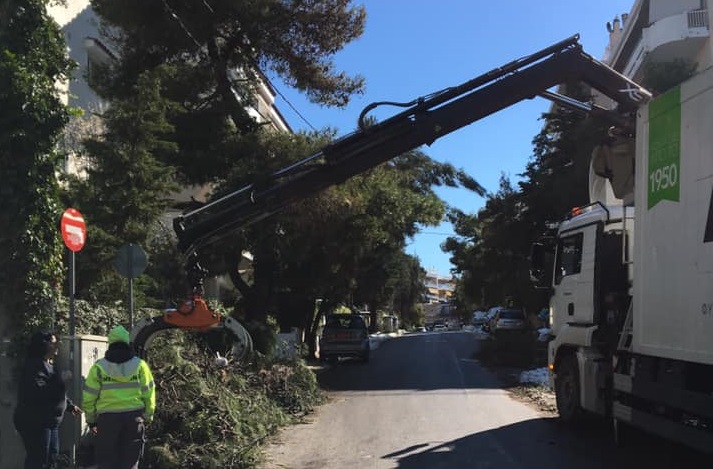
[(659, 9)]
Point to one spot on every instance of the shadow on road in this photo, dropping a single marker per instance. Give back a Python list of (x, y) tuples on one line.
[(545, 443)]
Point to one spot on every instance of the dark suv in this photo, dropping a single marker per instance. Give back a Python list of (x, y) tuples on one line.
[(344, 335)]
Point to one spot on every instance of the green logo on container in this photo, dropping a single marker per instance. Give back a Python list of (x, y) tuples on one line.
[(665, 148)]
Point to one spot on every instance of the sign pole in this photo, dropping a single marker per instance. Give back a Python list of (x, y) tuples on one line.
[(72, 291), (130, 262), (74, 235), (131, 286)]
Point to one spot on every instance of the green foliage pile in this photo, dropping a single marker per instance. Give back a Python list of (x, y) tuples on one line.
[(210, 417)]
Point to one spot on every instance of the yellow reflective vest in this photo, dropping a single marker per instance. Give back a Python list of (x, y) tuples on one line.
[(119, 387)]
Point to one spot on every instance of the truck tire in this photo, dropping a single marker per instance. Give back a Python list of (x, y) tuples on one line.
[(567, 391)]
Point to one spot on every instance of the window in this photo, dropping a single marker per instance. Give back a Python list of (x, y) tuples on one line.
[(569, 256), (98, 56), (92, 71)]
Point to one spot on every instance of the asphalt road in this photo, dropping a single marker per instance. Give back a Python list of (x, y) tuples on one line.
[(424, 401)]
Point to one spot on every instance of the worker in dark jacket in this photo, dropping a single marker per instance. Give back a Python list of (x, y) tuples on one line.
[(120, 399), (41, 402)]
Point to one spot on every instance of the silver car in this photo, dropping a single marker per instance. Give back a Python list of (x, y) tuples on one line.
[(344, 335), (509, 320)]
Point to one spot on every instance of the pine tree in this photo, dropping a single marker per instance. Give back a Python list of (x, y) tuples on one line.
[(128, 186)]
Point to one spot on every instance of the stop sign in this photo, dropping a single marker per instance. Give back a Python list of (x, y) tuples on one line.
[(74, 231)]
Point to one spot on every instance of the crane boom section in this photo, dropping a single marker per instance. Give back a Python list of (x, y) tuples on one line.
[(427, 120)]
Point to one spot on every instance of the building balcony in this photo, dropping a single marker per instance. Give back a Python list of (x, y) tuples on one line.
[(440, 286), (675, 37)]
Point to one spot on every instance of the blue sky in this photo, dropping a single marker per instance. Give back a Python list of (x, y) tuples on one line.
[(411, 48)]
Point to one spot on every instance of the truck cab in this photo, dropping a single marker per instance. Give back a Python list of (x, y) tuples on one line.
[(632, 288), (590, 277)]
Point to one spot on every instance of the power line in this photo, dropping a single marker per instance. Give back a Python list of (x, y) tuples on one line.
[(293, 107), (181, 24), (195, 41)]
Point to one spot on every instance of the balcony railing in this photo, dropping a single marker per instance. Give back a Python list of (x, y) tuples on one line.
[(698, 19), (672, 29), (637, 57)]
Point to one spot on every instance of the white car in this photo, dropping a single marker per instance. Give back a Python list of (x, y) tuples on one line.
[(440, 327)]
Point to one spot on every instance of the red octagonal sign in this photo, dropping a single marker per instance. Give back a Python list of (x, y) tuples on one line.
[(74, 231)]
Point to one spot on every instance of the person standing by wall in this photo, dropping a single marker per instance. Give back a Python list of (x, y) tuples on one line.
[(41, 402), (119, 399)]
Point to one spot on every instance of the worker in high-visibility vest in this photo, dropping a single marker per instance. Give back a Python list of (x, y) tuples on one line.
[(119, 399)]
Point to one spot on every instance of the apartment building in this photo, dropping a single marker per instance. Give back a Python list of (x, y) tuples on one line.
[(85, 46), (439, 288), (659, 31), (653, 32)]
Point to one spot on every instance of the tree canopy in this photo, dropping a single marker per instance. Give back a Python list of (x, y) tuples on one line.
[(216, 51), (492, 248), (183, 93)]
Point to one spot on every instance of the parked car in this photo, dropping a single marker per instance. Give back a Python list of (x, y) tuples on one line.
[(509, 320), (440, 328), (490, 316), (479, 318), (344, 335)]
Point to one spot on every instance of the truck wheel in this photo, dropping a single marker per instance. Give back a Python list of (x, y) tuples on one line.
[(567, 392)]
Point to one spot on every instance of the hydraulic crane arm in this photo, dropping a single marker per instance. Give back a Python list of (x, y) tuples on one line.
[(426, 120), (422, 122)]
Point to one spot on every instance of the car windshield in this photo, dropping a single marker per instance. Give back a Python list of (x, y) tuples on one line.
[(345, 322), (512, 314)]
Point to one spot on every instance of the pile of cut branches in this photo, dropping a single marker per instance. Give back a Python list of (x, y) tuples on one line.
[(215, 417)]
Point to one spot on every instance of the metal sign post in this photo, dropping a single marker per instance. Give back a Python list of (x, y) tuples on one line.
[(74, 234), (72, 292), (130, 262)]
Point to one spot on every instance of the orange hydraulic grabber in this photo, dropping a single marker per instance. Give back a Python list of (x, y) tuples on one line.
[(192, 315)]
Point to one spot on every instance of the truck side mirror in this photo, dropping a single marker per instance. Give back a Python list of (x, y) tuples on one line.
[(537, 261), (541, 256)]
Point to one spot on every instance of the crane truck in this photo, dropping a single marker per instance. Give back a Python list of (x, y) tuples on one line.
[(421, 122), (631, 276)]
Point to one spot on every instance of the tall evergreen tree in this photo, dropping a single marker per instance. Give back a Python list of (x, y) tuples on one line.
[(557, 176), (492, 251), (218, 48), (127, 185), (201, 63)]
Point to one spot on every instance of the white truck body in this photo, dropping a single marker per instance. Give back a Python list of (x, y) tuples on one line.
[(632, 287), (673, 265)]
